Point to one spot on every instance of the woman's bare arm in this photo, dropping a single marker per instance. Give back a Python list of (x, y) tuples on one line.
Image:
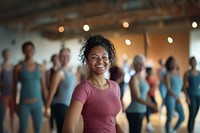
[(72, 117)]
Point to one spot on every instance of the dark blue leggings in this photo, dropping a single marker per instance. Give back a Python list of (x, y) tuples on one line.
[(33, 109), (193, 110), (135, 122), (59, 114)]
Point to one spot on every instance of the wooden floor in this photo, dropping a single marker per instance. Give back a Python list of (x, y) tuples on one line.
[(158, 120)]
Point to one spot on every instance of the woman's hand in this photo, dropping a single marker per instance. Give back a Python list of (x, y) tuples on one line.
[(47, 112), (154, 107), (177, 99)]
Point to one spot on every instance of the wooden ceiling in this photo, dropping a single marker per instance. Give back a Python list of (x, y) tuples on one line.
[(45, 16)]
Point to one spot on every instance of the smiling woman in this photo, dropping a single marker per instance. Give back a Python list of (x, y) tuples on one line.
[(97, 98)]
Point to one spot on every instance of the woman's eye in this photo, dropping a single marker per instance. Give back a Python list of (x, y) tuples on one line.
[(93, 57), (105, 58)]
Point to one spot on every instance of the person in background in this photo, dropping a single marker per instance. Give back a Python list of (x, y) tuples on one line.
[(45, 63), (50, 73), (126, 70), (139, 98), (6, 86), (174, 86), (153, 84), (62, 84), (31, 75), (162, 87), (96, 98), (82, 73), (192, 92), (117, 75)]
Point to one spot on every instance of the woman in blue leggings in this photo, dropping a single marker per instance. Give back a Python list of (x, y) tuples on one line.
[(162, 87), (174, 85), (31, 76), (192, 92)]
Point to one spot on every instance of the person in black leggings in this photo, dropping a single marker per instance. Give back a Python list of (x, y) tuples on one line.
[(50, 72), (192, 92)]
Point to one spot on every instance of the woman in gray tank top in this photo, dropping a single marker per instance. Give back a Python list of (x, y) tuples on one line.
[(139, 89), (63, 83)]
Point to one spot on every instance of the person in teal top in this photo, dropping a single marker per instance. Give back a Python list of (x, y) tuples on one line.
[(139, 89), (31, 76), (192, 92), (63, 83), (174, 86)]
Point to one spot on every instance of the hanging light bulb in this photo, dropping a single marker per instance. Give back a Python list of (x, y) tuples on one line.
[(61, 29), (170, 40), (128, 42), (125, 24), (86, 27), (194, 24)]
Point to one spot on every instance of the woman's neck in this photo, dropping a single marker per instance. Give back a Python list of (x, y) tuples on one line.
[(193, 68), (140, 74), (6, 62), (66, 67), (99, 81), (29, 60)]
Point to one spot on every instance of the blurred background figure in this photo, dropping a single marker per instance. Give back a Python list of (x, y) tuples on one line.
[(117, 75), (32, 78), (139, 101), (49, 77), (6, 86), (45, 63), (153, 84), (192, 92), (126, 70), (82, 73), (162, 87), (174, 86), (62, 87)]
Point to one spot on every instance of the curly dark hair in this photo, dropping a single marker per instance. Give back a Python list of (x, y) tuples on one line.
[(93, 41), (168, 63), (191, 59)]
